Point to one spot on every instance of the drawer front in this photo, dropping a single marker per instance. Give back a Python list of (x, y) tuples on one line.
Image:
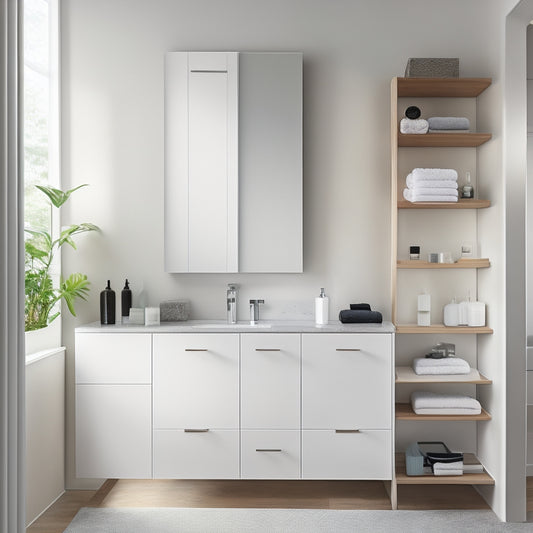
[(113, 431), (346, 381), (270, 381), (196, 381), (327, 454), (113, 358), (270, 454), (180, 454)]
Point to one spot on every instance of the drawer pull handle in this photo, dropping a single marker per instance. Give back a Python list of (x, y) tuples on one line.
[(196, 349), (267, 350), (348, 349), (268, 449), (195, 430), (347, 431)]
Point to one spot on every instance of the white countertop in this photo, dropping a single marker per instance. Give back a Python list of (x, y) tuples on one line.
[(221, 326)]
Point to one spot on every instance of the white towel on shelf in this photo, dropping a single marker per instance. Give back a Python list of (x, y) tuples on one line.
[(434, 191), (434, 174), (449, 123), (448, 469), (408, 125), (412, 183), (412, 196), (431, 403), (447, 365)]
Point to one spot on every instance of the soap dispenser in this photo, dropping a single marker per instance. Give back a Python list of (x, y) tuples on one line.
[(321, 308), (107, 305), (126, 300)]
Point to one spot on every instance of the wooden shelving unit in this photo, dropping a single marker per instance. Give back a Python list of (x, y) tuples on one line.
[(462, 263), (442, 87), (461, 204), (402, 478), (443, 140), (404, 411), (441, 328), (405, 374)]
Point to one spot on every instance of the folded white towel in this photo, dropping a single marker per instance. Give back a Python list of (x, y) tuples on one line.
[(424, 402), (448, 365), (434, 174), (448, 469), (449, 123), (434, 191), (412, 196), (408, 125), (411, 183)]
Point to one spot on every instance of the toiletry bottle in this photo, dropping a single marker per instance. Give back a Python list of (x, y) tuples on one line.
[(321, 308), (424, 309), (468, 190), (451, 313), (126, 300), (231, 303), (107, 305)]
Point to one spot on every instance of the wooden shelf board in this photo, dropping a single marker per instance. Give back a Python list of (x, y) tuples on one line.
[(406, 374), (461, 204), (442, 87), (404, 411), (428, 479), (440, 328), (461, 263), (436, 140)]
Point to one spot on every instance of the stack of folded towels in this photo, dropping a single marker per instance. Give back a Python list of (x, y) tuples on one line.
[(447, 365), (454, 468), (448, 125), (431, 185), (431, 403)]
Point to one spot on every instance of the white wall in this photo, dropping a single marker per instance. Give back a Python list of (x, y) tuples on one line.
[(112, 52)]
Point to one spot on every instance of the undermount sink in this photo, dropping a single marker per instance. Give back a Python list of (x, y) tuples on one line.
[(225, 325)]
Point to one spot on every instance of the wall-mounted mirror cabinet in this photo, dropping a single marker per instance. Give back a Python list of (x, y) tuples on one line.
[(233, 162)]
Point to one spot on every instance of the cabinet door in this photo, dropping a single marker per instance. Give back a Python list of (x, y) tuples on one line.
[(113, 358), (330, 454), (270, 381), (113, 431), (270, 454), (346, 381), (196, 454), (196, 381)]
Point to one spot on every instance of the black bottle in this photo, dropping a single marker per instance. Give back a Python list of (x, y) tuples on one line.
[(107, 305), (126, 299)]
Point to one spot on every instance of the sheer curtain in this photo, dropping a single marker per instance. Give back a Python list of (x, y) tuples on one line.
[(11, 273)]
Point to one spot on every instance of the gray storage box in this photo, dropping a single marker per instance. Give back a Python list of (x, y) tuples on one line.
[(414, 461), (174, 310), (432, 67)]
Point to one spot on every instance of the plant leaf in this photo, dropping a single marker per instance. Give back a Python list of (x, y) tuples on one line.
[(57, 196), (76, 286)]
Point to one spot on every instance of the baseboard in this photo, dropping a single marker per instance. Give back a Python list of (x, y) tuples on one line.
[(44, 510)]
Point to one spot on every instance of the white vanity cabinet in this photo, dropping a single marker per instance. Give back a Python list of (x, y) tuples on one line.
[(346, 406), (196, 405), (113, 405), (270, 406), (182, 403)]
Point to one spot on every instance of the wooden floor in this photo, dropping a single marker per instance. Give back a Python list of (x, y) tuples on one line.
[(259, 494)]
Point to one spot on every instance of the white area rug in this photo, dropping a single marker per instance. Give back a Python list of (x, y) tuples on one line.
[(177, 520)]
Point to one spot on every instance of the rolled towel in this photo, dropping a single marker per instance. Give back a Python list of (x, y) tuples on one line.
[(411, 183), (360, 316), (435, 191), (416, 126), (434, 174), (412, 196), (431, 403), (448, 123), (363, 307), (447, 365)]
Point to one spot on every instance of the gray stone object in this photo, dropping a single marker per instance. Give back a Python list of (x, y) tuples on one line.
[(174, 310), (432, 67)]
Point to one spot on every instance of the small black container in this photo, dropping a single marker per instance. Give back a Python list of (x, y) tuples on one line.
[(126, 299), (107, 305)]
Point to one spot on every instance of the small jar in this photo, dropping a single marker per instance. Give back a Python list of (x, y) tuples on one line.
[(414, 253)]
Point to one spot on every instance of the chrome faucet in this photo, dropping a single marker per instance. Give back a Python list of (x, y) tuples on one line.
[(231, 303), (254, 310)]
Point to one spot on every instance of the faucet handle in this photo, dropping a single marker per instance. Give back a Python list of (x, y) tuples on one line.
[(255, 302)]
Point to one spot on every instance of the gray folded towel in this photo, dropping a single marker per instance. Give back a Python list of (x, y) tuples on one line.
[(448, 123)]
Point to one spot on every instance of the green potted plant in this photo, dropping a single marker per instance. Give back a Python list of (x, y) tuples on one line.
[(41, 296)]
